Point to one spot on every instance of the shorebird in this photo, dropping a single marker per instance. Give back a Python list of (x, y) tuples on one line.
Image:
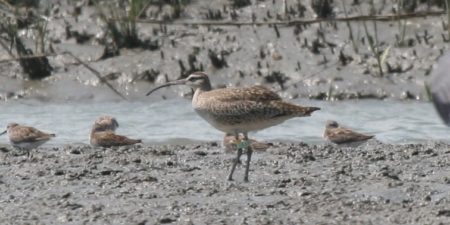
[(103, 134), (341, 135), (439, 87), (230, 143), (26, 138), (238, 110)]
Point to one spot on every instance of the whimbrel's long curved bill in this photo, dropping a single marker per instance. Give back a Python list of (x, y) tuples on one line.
[(2, 133), (176, 82)]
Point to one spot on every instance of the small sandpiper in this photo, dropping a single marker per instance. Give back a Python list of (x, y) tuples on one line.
[(103, 134), (341, 135), (230, 143), (239, 110), (26, 138)]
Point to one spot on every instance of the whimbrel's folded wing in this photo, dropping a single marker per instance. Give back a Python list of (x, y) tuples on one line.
[(440, 88), (250, 109), (253, 93), (245, 111)]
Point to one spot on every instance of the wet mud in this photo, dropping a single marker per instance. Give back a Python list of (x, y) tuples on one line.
[(290, 183)]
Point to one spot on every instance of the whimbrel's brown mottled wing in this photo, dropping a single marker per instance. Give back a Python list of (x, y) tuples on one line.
[(236, 105), (440, 88), (109, 138), (344, 135), (255, 93), (243, 111), (28, 134)]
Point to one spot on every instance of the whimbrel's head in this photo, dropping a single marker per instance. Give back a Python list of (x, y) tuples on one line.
[(8, 127), (332, 124), (197, 80)]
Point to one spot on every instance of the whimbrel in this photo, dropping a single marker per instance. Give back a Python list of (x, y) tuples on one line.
[(230, 143), (26, 138), (103, 135), (341, 135), (238, 110)]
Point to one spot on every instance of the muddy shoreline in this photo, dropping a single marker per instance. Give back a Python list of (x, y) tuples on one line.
[(316, 61), (290, 183)]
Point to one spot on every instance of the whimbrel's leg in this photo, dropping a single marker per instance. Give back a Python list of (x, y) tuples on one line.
[(29, 154), (249, 157), (238, 157)]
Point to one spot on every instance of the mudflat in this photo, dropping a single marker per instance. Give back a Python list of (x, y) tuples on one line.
[(290, 183)]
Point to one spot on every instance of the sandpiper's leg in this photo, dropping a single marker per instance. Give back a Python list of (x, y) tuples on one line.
[(237, 159), (249, 157)]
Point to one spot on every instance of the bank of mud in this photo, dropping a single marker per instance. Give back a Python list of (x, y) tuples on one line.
[(291, 183), (317, 61)]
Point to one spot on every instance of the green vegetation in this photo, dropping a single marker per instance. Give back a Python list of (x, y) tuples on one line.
[(121, 20), (372, 39), (34, 63), (350, 29)]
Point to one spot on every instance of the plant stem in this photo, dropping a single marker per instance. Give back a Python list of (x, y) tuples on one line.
[(373, 48), (447, 4), (350, 30)]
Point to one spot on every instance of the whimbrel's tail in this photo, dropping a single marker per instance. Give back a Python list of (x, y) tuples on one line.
[(311, 110), (296, 110)]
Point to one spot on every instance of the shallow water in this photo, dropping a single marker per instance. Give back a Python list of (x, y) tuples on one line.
[(174, 121)]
